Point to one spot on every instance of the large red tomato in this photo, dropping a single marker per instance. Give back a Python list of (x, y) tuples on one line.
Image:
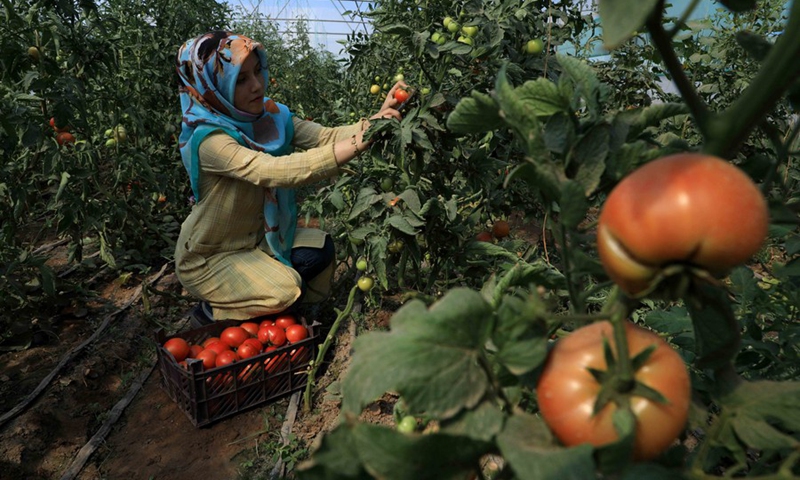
[(285, 320), (251, 328), (178, 347), (209, 358), (296, 333), (688, 208), (401, 95), (567, 391), (234, 336)]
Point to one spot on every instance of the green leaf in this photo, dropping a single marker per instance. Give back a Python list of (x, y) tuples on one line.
[(590, 154), (481, 423), (519, 113), (62, 185), (366, 198), (430, 356), (653, 115), (574, 204), (396, 29), (540, 173), (559, 133), (739, 5), (620, 18), (335, 458), (400, 223), (755, 45), (617, 455), (521, 333), (411, 199), (475, 114), (533, 455), (544, 97), (761, 435), (585, 80), (716, 331), (385, 453)]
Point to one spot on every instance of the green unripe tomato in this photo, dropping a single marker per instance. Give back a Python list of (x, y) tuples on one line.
[(377, 78), (356, 241), (395, 246), (534, 47), (387, 184), (435, 37), (425, 90), (111, 142), (361, 264), (470, 31), (375, 89), (453, 27), (109, 133), (399, 77), (365, 284), (33, 52), (120, 133), (407, 425), (465, 40), (446, 22)]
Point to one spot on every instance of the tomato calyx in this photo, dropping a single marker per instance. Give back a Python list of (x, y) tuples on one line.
[(617, 385)]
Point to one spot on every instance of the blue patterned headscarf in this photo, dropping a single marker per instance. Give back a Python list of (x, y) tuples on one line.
[(208, 67)]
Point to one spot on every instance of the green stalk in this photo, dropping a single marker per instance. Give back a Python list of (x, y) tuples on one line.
[(623, 365), (341, 315), (684, 17), (777, 72), (663, 43)]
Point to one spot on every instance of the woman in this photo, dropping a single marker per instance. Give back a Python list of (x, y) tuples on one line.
[(240, 250)]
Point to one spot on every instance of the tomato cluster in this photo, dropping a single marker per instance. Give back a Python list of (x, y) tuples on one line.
[(237, 343)]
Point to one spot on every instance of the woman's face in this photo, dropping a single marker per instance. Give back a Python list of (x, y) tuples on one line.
[(249, 93)]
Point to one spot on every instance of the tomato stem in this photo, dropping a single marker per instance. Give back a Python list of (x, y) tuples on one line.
[(624, 368), (325, 346)]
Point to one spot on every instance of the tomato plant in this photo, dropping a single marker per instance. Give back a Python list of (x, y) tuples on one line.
[(690, 209), (567, 391)]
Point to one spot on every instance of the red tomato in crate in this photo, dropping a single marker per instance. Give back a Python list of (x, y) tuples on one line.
[(567, 391), (687, 208), (272, 335), (225, 358), (266, 323), (178, 347), (209, 341), (255, 343), (251, 328), (247, 350), (234, 336), (209, 358), (195, 350), (218, 347), (296, 333), (285, 320)]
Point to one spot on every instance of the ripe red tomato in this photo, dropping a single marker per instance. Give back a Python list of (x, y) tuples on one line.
[(178, 347), (401, 95), (65, 138), (687, 208), (567, 391), (226, 358), (194, 350), (285, 320), (234, 336), (501, 229), (276, 335), (484, 237), (209, 358), (255, 343), (296, 333), (209, 341), (251, 328), (219, 346), (247, 350), (265, 323)]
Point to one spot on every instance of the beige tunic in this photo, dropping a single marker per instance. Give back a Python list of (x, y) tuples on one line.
[(221, 255)]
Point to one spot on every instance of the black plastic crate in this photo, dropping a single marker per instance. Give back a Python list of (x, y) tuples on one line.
[(206, 396)]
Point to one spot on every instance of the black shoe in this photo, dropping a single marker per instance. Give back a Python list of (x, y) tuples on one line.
[(201, 315)]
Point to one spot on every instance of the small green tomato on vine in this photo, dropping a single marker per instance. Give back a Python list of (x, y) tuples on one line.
[(365, 284)]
